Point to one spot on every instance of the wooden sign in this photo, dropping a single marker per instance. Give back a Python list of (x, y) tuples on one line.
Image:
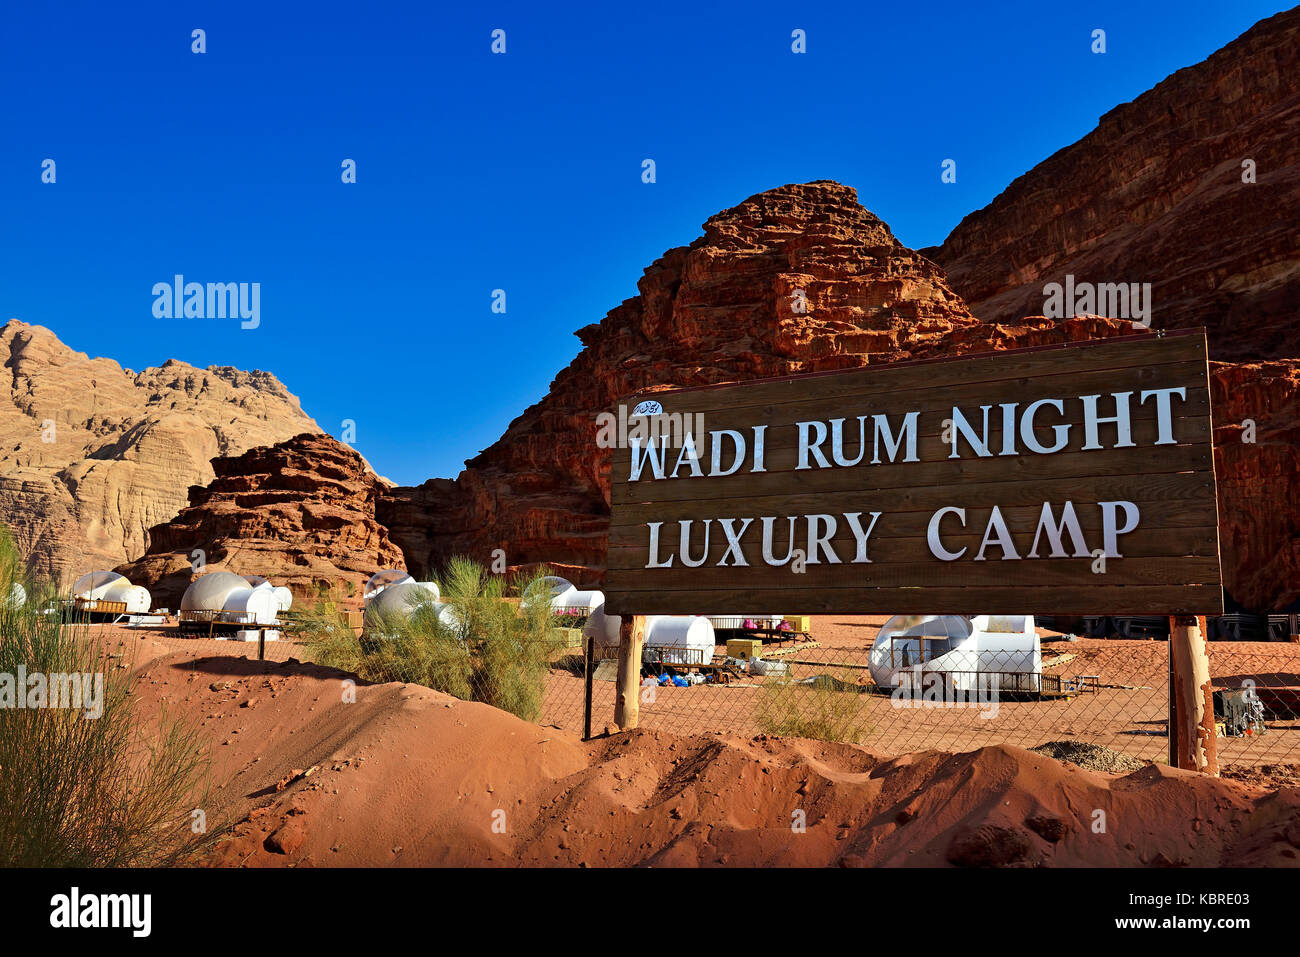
[(1075, 479)]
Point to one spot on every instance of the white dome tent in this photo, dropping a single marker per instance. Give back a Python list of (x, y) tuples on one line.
[(16, 598), (547, 589), (679, 639), (604, 628), (283, 598), (399, 599), (553, 584), (221, 601), (960, 648), (448, 616), (251, 606), (571, 601), (207, 593), (91, 590), (669, 639)]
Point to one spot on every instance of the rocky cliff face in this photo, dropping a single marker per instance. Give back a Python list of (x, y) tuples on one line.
[(1156, 194), (300, 513), (796, 279), (1257, 465), (92, 455)]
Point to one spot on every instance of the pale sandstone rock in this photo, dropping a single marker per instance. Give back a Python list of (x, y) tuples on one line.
[(126, 445)]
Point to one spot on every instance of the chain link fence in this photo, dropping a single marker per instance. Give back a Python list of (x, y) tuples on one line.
[(1079, 695)]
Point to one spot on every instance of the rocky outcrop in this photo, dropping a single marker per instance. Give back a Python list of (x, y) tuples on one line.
[(300, 513), (1156, 194), (1257, 465), (92, 455), (797, 279)]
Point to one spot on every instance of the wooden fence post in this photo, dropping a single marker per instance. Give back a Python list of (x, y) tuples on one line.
[(627, 704), (590, 644), (1191, 717)]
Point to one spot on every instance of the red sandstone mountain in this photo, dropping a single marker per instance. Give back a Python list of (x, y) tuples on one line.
[(721, 309), (1155, 194), (300, 513)]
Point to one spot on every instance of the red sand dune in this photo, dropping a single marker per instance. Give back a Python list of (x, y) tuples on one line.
[(409, 776)]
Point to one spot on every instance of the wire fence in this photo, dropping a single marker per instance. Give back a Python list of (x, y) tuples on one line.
[(1070, 697)]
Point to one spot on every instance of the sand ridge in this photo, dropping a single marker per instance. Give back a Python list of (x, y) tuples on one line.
[(406, 776)]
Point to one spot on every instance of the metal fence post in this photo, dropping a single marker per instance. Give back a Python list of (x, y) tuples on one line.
[(589, 680), (1172, 719)]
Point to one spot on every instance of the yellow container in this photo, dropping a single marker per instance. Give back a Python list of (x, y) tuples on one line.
[(800, 623), (744, 648)]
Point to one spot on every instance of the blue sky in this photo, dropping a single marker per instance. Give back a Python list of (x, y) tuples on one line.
[(478, 172)]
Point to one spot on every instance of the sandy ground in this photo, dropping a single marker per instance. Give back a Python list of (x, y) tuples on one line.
[(309, 774)]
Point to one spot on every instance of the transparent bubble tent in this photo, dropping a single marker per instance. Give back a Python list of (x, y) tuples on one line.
[(382, 579)]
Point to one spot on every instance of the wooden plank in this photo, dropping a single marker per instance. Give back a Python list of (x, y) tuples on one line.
[(1142, 461), (933, 423), (781, 458), (1183, 488), (1201, 542), (1021, 520), (869, 390), (1008, 600), (988, 367), (992, 571)]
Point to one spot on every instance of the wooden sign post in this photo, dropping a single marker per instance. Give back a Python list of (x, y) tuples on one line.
[(627, 703), (1072, 479), (1191, 723)]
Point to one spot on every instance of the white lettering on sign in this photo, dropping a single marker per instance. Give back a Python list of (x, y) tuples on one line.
[(998, 535), (819, 529), (835, 444)]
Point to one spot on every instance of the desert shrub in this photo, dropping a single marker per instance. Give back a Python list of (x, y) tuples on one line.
[(104, 791), (329, 639), (479, 643), (829, 708)]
